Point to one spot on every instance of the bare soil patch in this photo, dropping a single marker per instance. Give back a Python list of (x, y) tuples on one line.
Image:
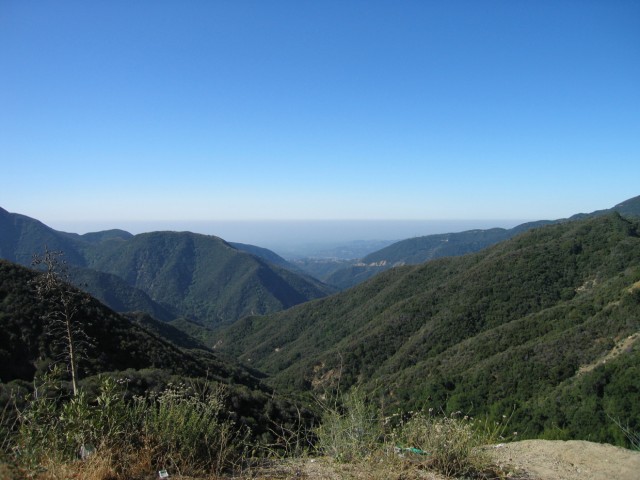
[(568, 460), (527, 459)]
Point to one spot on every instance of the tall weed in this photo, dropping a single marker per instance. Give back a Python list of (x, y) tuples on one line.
[(353, 430), (350, 427), (189, 433)]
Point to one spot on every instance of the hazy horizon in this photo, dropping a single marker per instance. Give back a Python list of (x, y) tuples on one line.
[(299, 238), (289, 235), (286, 110)]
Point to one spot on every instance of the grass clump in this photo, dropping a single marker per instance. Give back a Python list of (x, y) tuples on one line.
[(449, 444), (187, 432)]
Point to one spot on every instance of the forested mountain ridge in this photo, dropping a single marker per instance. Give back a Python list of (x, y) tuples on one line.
[(203, 277), (511, 326), (413, 251), (28, 348), (168, 274)]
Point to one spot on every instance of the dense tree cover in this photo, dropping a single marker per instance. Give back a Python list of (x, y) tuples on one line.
[(203, 277), (505, 328), (117, 343)]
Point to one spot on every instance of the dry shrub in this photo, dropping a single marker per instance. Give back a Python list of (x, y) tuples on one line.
[(350, 428), (184, 429)]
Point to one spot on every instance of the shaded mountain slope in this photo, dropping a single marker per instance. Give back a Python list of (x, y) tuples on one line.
[(117, 294), (510, 325), (203, 277), (21, 237), (27, 349)]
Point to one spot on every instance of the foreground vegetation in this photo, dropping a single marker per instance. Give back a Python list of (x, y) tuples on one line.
[(185, 429)]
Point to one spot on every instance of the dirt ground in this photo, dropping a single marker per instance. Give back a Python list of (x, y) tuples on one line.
[(570, 460), (523, 460), (529, 459)]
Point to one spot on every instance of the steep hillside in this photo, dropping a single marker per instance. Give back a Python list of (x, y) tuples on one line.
[(117, 294), (28, 348), (509, 326), (414, 251), (417, 250), (166, 274)]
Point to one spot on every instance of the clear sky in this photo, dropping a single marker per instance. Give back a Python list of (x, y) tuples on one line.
[(115, 112)]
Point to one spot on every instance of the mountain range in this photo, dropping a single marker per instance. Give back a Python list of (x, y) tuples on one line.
[(413, 251), (167, 274)]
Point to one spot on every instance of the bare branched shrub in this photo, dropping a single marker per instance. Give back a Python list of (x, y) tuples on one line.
[(632, 436), (64, 304)]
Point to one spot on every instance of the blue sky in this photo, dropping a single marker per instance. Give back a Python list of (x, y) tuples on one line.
[(116, 112)]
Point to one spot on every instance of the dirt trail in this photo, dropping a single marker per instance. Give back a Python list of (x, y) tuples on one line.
[(570, 460), (622, 346)]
